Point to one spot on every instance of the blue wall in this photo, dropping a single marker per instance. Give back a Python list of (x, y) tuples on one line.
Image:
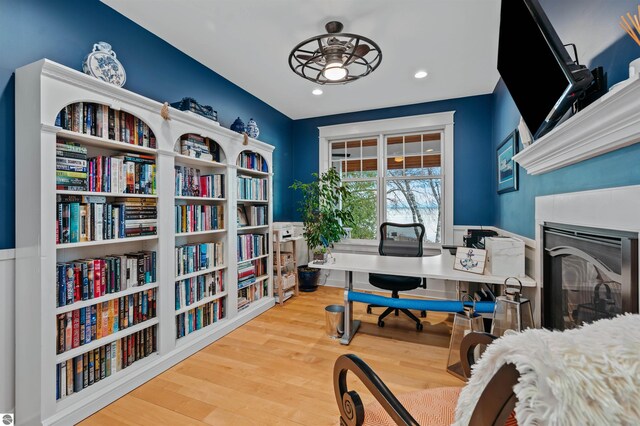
[(473, 197), (65, 31), (588, 24)]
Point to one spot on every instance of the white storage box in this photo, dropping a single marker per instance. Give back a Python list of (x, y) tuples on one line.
[(288, 280), (505, 256)]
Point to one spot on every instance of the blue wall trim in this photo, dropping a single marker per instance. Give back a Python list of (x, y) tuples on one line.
[(584, 22), (473, 197), (65, 31)]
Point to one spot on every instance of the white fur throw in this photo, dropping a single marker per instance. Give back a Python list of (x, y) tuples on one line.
[(585, 376)]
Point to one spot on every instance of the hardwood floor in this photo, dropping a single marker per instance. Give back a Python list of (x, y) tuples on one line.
[(277, 370)]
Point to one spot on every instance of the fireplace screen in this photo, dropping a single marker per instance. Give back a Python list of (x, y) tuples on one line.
[(588, 275)]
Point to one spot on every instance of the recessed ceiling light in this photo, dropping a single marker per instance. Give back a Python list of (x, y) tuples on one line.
[(317, 92), (420, 74)]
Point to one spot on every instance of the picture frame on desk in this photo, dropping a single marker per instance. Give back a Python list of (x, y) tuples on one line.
[(507, 169), (242, 216), (470, 260)]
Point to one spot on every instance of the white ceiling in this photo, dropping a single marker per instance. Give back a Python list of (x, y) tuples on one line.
[(248, 42)]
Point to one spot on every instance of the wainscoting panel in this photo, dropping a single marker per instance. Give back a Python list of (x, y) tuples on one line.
[(7, 330)]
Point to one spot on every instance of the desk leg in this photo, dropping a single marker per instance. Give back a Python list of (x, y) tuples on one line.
[(350, 326)]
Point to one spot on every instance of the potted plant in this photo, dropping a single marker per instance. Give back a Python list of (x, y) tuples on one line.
[(324, 219)]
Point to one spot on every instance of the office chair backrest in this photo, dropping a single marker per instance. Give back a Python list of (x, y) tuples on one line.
[(401, 239)]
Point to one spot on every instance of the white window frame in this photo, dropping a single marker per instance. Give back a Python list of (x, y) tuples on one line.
[(437, 122)]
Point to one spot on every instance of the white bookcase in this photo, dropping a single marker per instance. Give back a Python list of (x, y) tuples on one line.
[(42, 90)]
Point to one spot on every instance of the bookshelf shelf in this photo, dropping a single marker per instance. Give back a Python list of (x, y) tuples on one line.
[(105, 194), (243, 170), (252, 228), (253, 258), (200, 272), (47, 106), (186, 198), (84, 303), (201, 302), (99, 142), (184, 159), (105, 383), (104, 340), (211, 231), (105, 242), (253, 201), (258, 280)]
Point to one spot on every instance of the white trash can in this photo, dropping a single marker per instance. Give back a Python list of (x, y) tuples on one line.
[(334, 315)]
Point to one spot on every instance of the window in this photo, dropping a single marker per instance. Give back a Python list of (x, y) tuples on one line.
[(413, 182), (357, 163), (397, 170)]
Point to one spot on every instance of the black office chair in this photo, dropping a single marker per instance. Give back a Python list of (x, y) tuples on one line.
[(403, 240)]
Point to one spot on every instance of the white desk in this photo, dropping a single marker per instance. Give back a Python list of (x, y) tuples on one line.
[(435, 267)]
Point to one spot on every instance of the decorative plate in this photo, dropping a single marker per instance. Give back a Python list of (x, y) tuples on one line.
[(101, 63)]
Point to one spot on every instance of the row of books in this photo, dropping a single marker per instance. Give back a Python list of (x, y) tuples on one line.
[(197, 146), (197, 257), (122, 174), (198, 217), (200, 317), (83, 326), (252, 245), (246, 274), (258, 215), (195, 289), (104, 122), (191, 183), (86, 279), (71, 166), (251, 160), (251, 188), (89, 368), (250, 294), (92, 218)]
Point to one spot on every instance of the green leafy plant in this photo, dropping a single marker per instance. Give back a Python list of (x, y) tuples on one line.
[(322, 208)]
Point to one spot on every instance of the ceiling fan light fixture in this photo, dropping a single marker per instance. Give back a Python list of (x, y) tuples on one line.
[(335, 57), (420, 74), (334, 71)]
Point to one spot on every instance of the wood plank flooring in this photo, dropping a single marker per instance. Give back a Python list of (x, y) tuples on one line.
[(277, 370)]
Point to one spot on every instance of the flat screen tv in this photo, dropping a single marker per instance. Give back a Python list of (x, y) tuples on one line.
[(535, 66)]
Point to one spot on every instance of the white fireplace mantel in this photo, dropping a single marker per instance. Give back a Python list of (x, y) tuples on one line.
[(611, 122)]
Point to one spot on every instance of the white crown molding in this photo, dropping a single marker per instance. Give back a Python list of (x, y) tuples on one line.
[(610, 123)]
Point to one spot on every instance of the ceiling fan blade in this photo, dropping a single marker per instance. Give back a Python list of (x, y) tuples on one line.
[(304, 57), (359, 52)]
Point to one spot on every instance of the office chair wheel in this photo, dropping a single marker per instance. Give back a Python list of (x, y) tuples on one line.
[(419, 326), (380, 323), (423, 314), (368, 309)]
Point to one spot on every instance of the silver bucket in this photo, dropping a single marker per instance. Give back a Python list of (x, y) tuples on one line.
[(334, 315)]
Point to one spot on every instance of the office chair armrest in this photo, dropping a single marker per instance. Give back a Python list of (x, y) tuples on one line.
[(349, 402), (467, 347)]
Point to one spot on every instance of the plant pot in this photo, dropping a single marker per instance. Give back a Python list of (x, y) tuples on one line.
[(308, 278), (320, 257)]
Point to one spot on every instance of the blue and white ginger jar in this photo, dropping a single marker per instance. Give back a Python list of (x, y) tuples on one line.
[(252, 129), (102, 63)]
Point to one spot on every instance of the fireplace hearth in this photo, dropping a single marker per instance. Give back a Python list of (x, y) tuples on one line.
[(589, 274)]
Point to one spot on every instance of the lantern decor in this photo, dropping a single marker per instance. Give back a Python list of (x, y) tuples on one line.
[(464, 323), (511, 311)]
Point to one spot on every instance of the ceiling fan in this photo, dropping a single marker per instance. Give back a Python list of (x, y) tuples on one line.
[(335, 57)]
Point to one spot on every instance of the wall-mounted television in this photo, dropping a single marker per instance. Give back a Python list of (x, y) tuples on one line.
[(535, 66)]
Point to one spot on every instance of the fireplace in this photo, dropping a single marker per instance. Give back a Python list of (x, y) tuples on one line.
[(588, 274)]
